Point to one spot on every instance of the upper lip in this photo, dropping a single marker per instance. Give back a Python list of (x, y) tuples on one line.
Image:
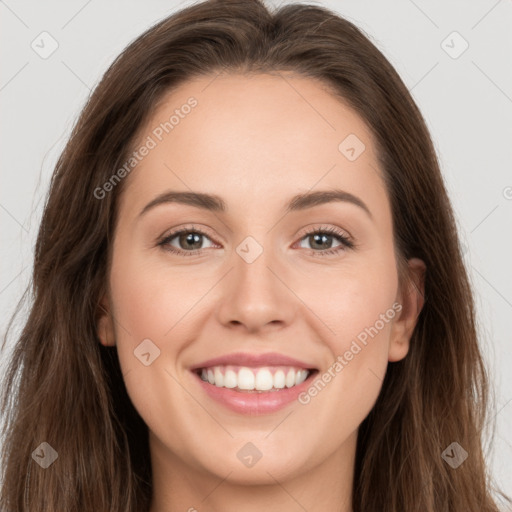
[(253, 360)]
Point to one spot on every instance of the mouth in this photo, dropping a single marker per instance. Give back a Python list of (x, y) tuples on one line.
[(254, 383), (264, 379)]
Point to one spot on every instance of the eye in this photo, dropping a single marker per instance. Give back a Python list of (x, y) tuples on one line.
[(321, 238), (189, 241)]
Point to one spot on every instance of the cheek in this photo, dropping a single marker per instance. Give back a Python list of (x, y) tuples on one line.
[(151, 318), (149, 300), (359, 308), (362, 322), (147, 312), (355, 302), (345, 391)]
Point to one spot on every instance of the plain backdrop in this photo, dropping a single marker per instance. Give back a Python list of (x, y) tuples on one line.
[(455, 57)]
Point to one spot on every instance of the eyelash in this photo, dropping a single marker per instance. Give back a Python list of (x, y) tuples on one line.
[(346, 243)]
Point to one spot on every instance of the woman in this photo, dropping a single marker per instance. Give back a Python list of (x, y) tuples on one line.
[(316, 349)]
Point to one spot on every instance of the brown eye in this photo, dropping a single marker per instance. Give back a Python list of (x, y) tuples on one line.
[(185, 242), (321, 241), (189, 240)]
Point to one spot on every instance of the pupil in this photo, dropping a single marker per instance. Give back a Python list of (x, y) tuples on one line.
[(324, 237), (189, 239), (192, 239)]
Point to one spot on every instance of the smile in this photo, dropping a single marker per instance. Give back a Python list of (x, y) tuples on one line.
[(255, 380), (246, 395)]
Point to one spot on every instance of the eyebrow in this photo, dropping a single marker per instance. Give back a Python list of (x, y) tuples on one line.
[(215, 203)]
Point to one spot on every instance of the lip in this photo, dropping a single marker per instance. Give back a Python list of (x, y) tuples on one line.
[(253, 360), (254, 403)]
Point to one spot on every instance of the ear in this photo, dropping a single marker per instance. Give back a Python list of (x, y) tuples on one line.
[(411, 298), (104, 323)]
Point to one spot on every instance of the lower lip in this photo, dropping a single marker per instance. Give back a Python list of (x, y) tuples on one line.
[(255, 403)]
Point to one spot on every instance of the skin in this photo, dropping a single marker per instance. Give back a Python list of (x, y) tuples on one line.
[(256, 141)]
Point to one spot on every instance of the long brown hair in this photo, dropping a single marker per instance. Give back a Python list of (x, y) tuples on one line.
[(66, 389)]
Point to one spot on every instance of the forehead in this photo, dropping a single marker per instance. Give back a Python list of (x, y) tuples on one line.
[(255, 136)]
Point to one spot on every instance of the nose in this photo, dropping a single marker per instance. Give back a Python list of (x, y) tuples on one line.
[(256, 295)]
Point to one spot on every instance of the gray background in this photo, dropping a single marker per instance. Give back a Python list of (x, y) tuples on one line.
[(467, 102)]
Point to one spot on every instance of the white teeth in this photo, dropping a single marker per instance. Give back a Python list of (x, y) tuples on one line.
[(245, 379), (290, 379), (254, 379), (264, 380), (300, 377), (219, 378), (230, 379), (279, 380)]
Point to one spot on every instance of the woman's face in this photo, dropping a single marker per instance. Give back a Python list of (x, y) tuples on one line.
[(249, 277)]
